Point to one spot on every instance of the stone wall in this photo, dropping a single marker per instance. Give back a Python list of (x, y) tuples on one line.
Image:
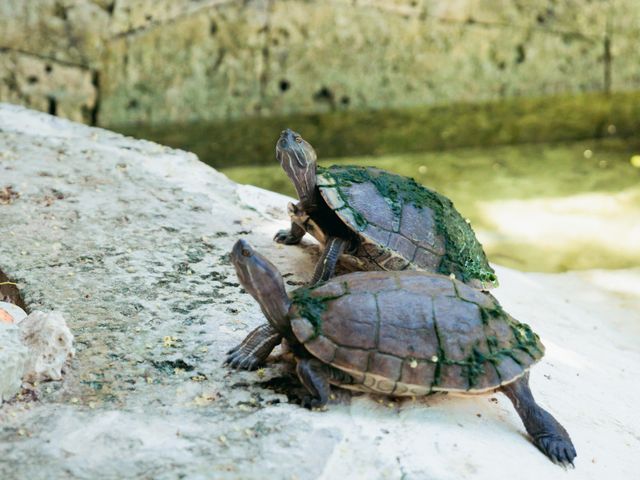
[(116, 62)]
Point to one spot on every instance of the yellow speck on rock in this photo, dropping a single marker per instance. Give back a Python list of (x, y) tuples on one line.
[(260, 372), (169, 341)]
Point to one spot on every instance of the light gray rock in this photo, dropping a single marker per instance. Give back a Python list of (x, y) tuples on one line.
[(13, 358), (129, 240), (50, 344)]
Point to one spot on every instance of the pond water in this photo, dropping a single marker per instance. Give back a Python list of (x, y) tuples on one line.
[(536, 207)]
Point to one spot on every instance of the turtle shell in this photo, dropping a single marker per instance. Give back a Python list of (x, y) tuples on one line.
[(412, 333), (403, 225)]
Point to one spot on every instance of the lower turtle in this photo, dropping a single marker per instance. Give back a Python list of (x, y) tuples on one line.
[(403, 334)]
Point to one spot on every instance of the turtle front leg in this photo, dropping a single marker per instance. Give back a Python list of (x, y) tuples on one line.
[(326, 266), (294, 235), (254, 349), (548, 435)]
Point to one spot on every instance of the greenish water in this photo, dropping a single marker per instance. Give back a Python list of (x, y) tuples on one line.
[(479, 179), (251, 141)]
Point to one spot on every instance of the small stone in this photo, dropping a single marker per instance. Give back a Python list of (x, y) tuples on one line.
[(434, 358), (587, 153), (413, 363)]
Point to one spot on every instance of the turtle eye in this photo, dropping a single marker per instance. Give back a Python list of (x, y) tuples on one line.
[(246, 253), (298, 139)]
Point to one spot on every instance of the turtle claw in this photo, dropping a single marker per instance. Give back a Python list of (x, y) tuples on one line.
[(311, 402), (286, 237), (239, 361), (559, 450)]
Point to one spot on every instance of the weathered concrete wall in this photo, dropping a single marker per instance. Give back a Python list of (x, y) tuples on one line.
[(114, 62)]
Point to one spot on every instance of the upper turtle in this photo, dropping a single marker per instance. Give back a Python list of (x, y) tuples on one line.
[(382, 221)]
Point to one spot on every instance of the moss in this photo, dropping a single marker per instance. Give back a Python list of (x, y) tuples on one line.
[(473, 367), (311, 306), (464, 255), (493, 312)]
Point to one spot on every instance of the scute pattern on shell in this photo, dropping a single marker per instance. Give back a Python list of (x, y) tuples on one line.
[(404, 225), (411, 333)]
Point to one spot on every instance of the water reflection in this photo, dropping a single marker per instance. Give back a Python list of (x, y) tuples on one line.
[(542, 207)]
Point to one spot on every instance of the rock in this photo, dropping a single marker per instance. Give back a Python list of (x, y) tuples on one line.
[(13, 358), (10, 313), (129, 240), (50, 345)]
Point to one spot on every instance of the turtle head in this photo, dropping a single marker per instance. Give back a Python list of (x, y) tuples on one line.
[(263, 281), (298, 159)]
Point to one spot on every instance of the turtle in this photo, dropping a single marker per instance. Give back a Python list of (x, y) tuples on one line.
[(379, 220), (403, 333)]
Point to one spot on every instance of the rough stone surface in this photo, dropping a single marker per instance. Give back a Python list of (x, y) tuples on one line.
[(179, 60), (50, 345), (13, 358), (129, 240)]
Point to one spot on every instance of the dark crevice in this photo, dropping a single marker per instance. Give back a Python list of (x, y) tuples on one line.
[(9, 292), (607, 59), (325, 95), (284, 85), (93, 114), (52, 108), (520, 54)]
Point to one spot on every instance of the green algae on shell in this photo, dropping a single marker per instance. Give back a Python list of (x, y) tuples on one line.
[(463, 253)]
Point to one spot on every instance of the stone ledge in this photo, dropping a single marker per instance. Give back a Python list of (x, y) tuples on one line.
[(129, 240)]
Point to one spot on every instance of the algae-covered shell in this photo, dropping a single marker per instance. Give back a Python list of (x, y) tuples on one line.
[(403, 225), (412, 333)]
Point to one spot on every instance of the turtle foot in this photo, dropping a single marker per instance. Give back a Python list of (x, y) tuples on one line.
[(254, 349), (311, 402), (237, 359), (560, 450), (286, 237)]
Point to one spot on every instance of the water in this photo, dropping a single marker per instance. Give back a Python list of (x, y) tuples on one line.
[(536, 207)]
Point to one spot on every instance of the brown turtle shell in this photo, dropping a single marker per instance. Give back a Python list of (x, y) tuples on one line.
[(402, 225), (412, 333)]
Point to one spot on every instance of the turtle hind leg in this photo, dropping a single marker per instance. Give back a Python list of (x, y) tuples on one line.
[(254, 349), (317, 378), (548, 435), (328, 260), (293, 236)]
